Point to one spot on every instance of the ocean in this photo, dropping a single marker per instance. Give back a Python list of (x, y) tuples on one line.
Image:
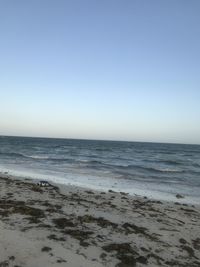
[(149, 169)]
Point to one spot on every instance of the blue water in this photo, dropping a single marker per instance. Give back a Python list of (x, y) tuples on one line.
[(152, 169)]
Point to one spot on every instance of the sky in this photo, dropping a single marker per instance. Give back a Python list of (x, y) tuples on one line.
[(101, 69)]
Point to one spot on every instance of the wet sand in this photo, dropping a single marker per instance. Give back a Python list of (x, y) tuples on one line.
[(72, 226)]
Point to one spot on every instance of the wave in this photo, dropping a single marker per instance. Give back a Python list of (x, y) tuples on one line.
[(166, 170), (96, 163), (89, 163), (47, 158), (34, 157), (163, 161), (12, 154), (170, 162), (153, 169), (196, 165), (104, 149), (21, 155)]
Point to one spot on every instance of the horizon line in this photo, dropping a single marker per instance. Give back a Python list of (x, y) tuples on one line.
[(103, 140)]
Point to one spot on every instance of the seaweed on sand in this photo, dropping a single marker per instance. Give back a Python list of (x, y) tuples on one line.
[(126, 254)]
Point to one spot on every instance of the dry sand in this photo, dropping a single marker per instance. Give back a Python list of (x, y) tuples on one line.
[(71, 226)]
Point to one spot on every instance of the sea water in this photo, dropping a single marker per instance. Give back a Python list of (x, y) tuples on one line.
[(151, 169)]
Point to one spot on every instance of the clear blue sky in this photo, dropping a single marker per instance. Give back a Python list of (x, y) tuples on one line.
[(122, 70)]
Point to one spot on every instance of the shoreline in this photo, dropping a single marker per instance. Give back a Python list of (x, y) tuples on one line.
[(137, 191), (72, 226)]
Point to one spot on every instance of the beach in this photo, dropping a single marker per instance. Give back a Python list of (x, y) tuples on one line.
[(61, 225), (99, 133)]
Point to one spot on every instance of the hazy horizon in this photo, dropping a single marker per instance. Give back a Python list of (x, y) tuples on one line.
[(124, 71), (103, 140)]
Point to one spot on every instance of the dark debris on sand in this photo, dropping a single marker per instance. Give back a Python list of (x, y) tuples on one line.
[(87, 229)]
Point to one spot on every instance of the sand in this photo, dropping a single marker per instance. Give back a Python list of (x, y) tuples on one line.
[(72, 226)]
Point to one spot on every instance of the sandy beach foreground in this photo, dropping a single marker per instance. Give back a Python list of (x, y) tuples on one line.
[(71, 226)]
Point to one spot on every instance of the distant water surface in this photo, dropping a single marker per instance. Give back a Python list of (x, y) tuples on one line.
[(152, 169)]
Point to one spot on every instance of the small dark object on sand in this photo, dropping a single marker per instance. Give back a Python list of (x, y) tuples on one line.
[(43, 183), (46, 249), (179, 196), (4, 264)]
